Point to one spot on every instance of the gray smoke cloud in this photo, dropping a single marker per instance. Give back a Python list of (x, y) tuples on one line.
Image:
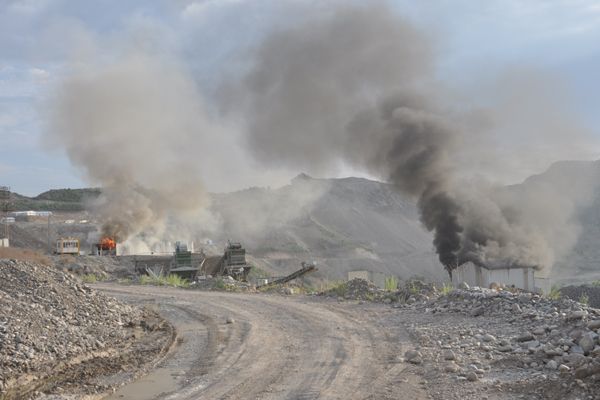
[(129, 124), (357, 84)]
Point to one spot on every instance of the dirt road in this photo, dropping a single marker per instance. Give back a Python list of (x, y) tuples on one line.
[(254, 346)]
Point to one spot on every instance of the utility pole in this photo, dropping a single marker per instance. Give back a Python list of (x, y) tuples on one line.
[(5, 204), (49, 248)]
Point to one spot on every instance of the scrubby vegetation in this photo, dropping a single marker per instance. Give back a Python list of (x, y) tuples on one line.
[(554, 293), (257, 273), (161, 280), (391, 284), (89, 278), (54, 200), (69, 195), (446, 289)]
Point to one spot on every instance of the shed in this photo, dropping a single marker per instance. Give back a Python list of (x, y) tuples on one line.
[(522, 277)]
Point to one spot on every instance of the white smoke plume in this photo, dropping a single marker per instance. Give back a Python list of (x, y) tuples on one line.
[(129, 125)]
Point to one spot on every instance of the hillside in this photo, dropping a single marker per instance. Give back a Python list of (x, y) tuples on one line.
[(343, 224), (65, 200), (354, 223)]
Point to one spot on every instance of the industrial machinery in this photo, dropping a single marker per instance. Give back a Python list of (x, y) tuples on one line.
[(306, 268), (232, 263), (67, 246), (183, 264)]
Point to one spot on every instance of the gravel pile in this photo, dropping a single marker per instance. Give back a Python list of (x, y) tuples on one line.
[(362, 290), (356, 289), (102, 267), (518, 342), (48, 318), (222, 283), (579, 292)]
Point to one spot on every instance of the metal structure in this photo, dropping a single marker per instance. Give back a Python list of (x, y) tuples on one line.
[(67, 246), (306, 268), (182, 262), (232, 263), (6, 208)]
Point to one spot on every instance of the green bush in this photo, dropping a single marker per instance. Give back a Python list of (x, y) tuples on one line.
[(412, 287), (257, 273), (584, 299), (391, 284), (554, 293), (339, 288), (176, 281), (447, 288), (89, 278), (220, 284), (160, 280)]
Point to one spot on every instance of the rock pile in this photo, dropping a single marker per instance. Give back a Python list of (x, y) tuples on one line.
[(591, 293), (356, 289), (48, 318), (359, 289), (548, 347), (221, 283)]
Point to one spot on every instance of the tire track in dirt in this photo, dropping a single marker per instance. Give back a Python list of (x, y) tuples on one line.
[(278, 348)]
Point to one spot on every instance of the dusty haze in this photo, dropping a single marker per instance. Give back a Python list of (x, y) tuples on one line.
[(358, 84), (128, 125), (351, 85)]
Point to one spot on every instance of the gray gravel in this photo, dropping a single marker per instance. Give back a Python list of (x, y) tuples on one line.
[(49, 317), (576, 293), (513, 342)]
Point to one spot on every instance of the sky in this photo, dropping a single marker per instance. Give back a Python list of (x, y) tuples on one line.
[(41, 41)]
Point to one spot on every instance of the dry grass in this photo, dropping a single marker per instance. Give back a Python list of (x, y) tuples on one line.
[(24, 255)]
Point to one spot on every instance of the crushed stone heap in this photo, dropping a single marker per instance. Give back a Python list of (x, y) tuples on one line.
[(48, 318), (521, 342)]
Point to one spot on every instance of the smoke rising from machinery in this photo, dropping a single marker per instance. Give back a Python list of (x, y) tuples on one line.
[(358, 85), (352, 84), (139, 128), (128, 125)]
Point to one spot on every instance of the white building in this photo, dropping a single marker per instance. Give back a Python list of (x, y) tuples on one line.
[(482, 276)]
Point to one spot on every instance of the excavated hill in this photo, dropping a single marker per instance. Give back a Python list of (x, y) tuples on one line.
[(354, 223), (342, 224)]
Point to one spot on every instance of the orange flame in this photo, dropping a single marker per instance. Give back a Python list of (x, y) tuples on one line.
[(107, 243)]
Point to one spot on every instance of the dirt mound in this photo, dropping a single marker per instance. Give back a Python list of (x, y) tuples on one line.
[(360, 289), (578, 293), (49, 321)]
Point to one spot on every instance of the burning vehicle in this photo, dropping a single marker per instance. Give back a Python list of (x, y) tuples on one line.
[(107, 246)]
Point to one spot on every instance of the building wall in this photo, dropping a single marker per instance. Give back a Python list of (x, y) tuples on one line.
[(366, 275), (473, 275), (469, 273), (542, 284), (4, 242)]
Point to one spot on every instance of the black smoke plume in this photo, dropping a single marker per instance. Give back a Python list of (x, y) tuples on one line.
[(357, 85)]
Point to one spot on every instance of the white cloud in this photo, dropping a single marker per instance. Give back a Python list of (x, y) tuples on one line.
[(39, 74), (29, 6), (199, 10)]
